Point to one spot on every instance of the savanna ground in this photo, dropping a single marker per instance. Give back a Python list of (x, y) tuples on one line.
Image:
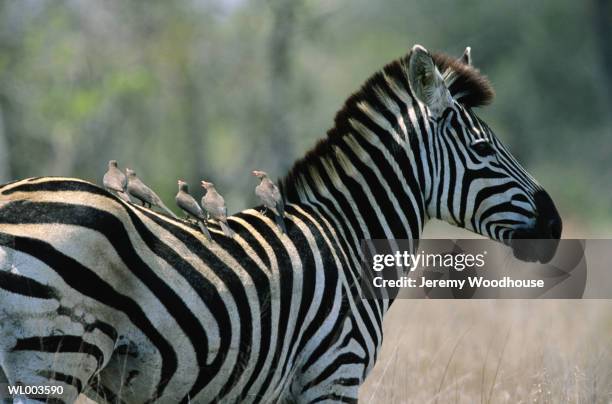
[(494, 351)]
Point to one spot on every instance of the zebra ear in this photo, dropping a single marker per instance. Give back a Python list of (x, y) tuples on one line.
[(466, 59), (427, 83)]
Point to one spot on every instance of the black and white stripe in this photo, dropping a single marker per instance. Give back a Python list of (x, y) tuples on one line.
[(125, 304)]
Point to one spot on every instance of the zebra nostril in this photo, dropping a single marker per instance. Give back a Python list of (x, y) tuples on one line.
[(548, 222), (554, 226)]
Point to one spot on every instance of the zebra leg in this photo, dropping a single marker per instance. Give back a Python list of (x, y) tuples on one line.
[(336, 381), (343, 390), (61, 356), (4, 381), (333, 374), (47, 339)]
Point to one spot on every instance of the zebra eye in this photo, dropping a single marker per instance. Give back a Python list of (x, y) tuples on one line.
[(483, 148)]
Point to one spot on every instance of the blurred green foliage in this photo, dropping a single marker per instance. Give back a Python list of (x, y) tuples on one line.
[(213, 89)]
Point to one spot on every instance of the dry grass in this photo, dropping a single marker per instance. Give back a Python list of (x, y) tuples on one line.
[(494, 351)]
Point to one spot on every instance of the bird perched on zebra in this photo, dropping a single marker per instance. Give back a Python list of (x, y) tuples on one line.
[(214, 204), (271, 198), (188, 204), (115, 181), (138, 189)]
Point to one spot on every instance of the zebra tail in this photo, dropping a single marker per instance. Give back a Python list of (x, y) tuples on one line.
[(205, 230)]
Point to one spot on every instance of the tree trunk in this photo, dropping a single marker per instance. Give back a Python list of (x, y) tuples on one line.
[(196, 124), (5, 161), (602, 15), (279, 50)]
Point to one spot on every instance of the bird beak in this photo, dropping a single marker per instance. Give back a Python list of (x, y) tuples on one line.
[(254, 173)]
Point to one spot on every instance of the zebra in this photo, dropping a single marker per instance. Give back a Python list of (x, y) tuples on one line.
[(125, 304)]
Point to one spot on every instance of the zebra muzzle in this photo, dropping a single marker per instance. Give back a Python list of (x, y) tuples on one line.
[(539, 242)]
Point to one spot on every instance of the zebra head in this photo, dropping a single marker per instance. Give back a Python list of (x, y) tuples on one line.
[(476, 183)]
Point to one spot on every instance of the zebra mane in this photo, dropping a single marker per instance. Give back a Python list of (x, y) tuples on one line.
[(397, 69), (464, 82)]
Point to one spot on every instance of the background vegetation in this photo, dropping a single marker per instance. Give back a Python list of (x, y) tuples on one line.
[(215, 88)]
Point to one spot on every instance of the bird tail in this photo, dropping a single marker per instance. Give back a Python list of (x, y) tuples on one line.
[(280, 222), (124, 196), (226, 229), (204, 230), (164, 207)]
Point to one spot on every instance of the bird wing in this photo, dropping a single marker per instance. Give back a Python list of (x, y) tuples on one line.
[(280, 207), (148, 193), (262, 194), (269, 195), (133, 187), (189, 205), (209, 203), (278, 200), (137, 188), (112, 182), (269, 202), (218, 205), (219, 211), (121, 177), (220, 200), (259, 191), (274, 192)]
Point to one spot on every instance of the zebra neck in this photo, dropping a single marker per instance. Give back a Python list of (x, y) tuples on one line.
[(360, 187), (367, 174), (369, 178), (367, 193)]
